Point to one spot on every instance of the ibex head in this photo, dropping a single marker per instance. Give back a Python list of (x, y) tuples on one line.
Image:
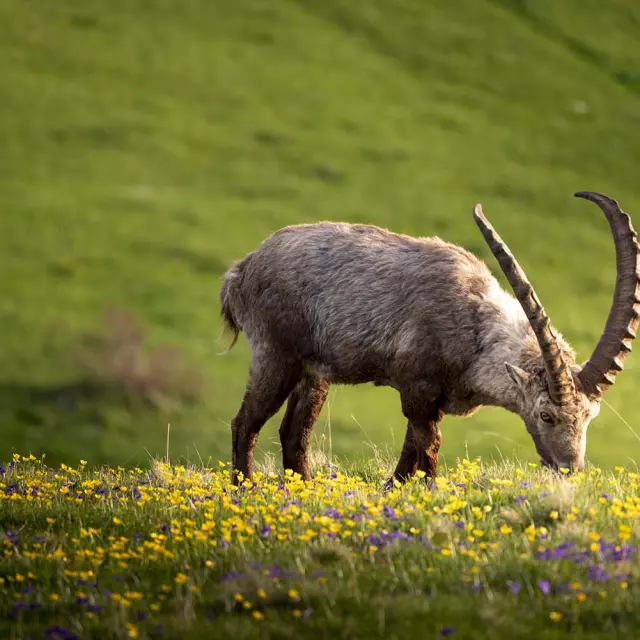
[(558, 402)]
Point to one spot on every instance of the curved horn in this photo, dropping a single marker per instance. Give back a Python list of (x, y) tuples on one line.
[(614, 345), (559, 376)]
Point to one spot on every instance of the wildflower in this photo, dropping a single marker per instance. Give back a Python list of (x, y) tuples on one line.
[(553, 515), (514, 587), (293, 594), (258, 615), (116, 520), (297, 613), (544, 586), (505, 529), (447, 631), (581, 597), (556, 616), (181, 578), (261, 593)]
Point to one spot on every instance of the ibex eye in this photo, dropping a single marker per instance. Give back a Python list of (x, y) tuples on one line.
[(546, 417)]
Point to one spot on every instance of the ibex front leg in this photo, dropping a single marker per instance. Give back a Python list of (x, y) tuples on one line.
[(422, 439)]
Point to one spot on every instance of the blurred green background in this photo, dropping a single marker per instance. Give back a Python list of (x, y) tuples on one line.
[(146, 145)]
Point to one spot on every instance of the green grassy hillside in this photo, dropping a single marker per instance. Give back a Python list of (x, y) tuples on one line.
[(147, 145)]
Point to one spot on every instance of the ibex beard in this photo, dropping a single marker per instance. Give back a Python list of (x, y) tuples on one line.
[(350, 303)]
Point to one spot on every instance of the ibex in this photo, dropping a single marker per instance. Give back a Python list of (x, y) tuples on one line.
[(351, 303)]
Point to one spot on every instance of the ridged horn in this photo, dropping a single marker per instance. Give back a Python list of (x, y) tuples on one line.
[(606, 361), (561, 386)]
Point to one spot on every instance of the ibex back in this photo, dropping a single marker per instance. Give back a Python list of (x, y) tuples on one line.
[(349, 303)]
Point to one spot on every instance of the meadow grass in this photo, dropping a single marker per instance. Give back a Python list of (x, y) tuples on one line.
[(146, 145), (487, 551)]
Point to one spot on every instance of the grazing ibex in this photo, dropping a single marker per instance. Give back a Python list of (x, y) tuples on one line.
[(351, 303)]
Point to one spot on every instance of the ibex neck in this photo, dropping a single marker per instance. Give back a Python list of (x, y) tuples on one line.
[(505, 336)]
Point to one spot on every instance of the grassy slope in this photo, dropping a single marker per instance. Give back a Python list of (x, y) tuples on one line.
[(496, 551), (146, 146)]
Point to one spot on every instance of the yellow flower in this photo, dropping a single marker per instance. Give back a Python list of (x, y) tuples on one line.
[(553, 515), (54, 597), (50, 520), (556, 616), (594, 536), (181, 578), (116, 520), (581, 597), (132, 630), (505, 529), (258, 615), (624, 585), (261, 593), (238, 597), (293, 594), (297, 613), (83, 463)]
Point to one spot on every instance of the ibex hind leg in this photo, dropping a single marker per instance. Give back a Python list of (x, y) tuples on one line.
[(303, 407), (271, 380)]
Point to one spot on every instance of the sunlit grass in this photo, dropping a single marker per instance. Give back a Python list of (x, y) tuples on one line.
[(485, 551)]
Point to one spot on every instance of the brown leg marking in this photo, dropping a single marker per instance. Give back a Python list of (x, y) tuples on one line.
[(270, 382), (303, 408), (422, 439)]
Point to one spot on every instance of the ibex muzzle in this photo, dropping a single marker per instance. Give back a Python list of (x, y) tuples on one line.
[(349, 303)]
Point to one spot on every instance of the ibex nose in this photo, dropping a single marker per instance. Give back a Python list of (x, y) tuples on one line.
[(574, 467)]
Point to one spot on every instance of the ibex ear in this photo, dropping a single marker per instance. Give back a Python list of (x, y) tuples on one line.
[(518, 375)]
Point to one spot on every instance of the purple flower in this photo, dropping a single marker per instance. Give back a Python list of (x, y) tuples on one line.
[(598, 574), (514, 587), (544, 586), (307, 612), (525, 484), (447, 631), (388, 512), (606, 496), (520, 499), (544, 494), (266, 530)]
